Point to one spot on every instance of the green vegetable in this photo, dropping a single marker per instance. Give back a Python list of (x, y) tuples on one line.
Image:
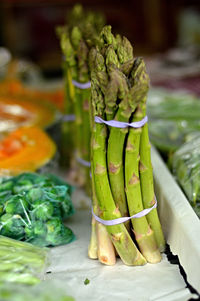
[(119, 87), (16, 205), (57, 233), (44, 291), (172, 117), (12, 226), (76, 39), (86, 281), (186, 168), (22, 185), (34, 201), (42, 210), (35, 194), (21, 262), (6, 186)]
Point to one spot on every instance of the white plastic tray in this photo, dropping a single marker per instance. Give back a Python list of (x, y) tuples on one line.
[(180, 223)]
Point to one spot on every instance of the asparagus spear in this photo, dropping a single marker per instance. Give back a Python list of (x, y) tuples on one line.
[(146, 177), (143, 233), (100, 245), (67, 127)]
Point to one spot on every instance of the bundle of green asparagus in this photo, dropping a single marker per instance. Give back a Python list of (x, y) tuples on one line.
[(76, 39), (122, 177)]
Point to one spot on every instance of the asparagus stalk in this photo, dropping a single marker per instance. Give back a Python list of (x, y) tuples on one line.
[(106, 251), (143, 233), (146, 180), (108, 210), (100, 245), (67, 127)]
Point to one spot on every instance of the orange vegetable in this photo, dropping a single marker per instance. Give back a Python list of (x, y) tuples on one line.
[(16, 112), (26, 149)]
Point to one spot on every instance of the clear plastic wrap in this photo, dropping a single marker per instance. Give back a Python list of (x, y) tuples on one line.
[(186, 168), (172, 116), (45, 291), (21, 262), (33, 207)]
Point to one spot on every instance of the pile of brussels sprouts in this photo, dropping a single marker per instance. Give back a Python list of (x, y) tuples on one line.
[(33, 207)]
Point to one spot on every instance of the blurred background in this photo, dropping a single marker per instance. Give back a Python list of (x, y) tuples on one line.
[(27, 27)]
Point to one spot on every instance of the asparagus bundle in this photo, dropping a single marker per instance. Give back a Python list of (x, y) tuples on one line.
[(121, 164), (76, 40)]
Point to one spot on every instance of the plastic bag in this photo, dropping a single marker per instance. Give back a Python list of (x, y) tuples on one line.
[(44, 291), (172, 117), (186, 168), (33, 207), (21, 262)]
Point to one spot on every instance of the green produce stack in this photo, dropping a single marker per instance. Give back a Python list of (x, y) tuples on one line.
[(122, 176), (21, 263), (76, 39), (186, 168)]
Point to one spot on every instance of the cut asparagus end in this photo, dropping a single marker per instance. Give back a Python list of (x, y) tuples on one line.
[(106, 251), (148, 246), (92, 248)]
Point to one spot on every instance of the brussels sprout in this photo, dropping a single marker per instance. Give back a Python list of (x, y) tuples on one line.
[(5, 186), (35, 229), (57, 233), (29, 232), (22, 186), (35, 194), (39, 228), (1, 209), (4, 195), (32, 206), (12, 226), (42, 210), (16, 205)]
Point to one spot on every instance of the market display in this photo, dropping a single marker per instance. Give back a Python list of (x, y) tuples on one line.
[(99, 128), (119, 86), (33, 207)]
